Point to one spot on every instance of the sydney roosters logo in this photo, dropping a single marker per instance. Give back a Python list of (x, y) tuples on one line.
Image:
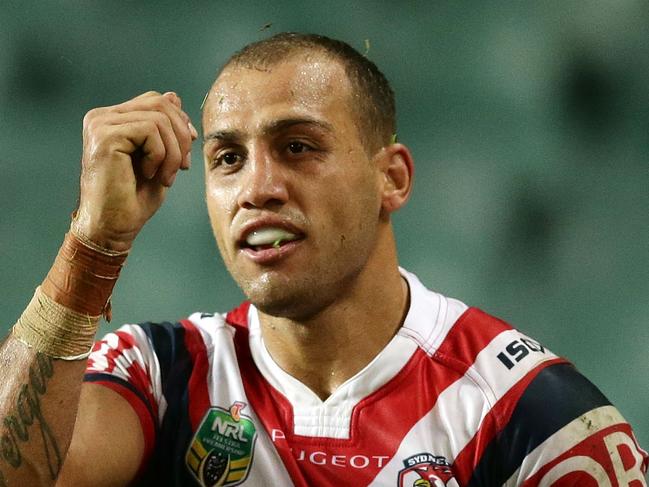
[(426, 470)]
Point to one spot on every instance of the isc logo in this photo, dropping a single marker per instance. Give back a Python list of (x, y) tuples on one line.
[(517, 350)]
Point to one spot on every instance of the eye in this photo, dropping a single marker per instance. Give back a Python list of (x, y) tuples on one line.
[(227, 159), (298, 147), (230, 158)]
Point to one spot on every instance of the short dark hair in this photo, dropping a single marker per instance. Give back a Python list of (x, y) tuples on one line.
[(373, 98)]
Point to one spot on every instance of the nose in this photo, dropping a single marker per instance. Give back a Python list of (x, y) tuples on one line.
[(264, 184)]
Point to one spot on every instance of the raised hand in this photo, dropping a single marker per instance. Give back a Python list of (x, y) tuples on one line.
[(131, 155)]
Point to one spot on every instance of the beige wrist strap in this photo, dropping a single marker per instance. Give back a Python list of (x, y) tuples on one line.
[(55, 330)]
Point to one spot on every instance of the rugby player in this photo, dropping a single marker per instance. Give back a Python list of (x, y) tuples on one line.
[(340, 369)]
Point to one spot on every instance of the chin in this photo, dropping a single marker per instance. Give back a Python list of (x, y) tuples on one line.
[(294, 300)]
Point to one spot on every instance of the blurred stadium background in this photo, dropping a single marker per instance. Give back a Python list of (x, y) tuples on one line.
[(528, 121)]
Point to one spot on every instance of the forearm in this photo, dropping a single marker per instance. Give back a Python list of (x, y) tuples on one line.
[(39, 397), (132, 152), (43, 360)]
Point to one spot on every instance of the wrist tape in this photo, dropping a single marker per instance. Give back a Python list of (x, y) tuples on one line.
[(63, 316), (55, 330), (83, 275)]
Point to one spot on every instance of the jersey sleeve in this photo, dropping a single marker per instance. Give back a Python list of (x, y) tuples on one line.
[(126, 362), (562, 432)]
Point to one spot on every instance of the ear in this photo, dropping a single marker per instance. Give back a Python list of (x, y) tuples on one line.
[(397, 170)]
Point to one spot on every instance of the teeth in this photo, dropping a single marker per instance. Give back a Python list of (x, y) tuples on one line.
[(269, 236)]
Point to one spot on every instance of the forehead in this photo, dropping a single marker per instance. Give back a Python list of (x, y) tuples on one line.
[(305, 85)]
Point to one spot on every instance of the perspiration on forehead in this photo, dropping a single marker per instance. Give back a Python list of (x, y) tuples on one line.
[(310, 82), (372, 98)]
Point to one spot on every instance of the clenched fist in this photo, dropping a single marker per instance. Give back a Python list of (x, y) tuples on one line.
[(131, 154)]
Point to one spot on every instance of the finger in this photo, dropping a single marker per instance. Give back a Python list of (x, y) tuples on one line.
[(155, 153), (127, 137), (157, 126), (147, 94), (156, 162), (164, 169), (179, 120), (98, 113), (170, 96), (177, 101), (174, 98)]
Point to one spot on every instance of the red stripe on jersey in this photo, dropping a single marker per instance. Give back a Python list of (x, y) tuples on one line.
[(239, 315), (125, 341), (376, 431), (495, 420), (138, 377), (271, 407), (607, 452), (143, 414), (472, 332), (199, 397)]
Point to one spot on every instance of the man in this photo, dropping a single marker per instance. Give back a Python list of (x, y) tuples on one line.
[(342, 369)]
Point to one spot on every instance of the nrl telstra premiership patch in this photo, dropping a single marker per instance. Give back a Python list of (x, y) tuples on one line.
[(221, 451)]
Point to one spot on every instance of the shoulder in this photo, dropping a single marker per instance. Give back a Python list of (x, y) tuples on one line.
[(541, 419), (468, 339), (164, 342), (563, 427), (554, 425)]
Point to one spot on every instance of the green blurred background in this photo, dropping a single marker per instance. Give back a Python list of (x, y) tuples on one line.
[(528, 122)]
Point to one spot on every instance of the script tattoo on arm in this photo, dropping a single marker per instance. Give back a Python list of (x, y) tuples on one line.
[(25, 412)]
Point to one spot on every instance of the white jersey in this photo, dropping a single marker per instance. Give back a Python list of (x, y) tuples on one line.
[(457, 398)]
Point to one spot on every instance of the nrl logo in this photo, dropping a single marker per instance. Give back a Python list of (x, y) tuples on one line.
[(220, 453), (426, 470)]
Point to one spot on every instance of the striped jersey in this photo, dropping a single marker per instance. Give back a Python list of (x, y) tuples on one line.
[(456, 398)]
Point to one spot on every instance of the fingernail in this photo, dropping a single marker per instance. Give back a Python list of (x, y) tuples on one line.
[(171, 180), (193, 130), (173, 98), (187, 162)]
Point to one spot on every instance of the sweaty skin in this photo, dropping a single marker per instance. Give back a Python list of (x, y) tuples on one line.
[(282, 147), (281, 152)]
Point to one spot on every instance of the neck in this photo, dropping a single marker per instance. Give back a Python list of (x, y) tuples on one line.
[(330, 347)]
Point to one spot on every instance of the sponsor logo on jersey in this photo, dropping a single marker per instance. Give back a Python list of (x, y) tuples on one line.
[(606, 458), (220, 454), (426, 470), (517, 350)]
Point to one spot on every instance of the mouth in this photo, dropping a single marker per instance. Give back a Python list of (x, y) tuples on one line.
[(270, 237), (269, 242)]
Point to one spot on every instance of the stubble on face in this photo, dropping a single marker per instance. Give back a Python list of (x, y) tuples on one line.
[(336, 205)]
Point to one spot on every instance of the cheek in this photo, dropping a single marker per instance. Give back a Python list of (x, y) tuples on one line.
[(353, 205), (220, 201), (361, 194)]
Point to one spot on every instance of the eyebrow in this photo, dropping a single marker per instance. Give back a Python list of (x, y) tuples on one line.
[(271, 128)]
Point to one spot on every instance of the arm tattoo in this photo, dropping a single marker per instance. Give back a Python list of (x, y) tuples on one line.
[(27, 410)]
